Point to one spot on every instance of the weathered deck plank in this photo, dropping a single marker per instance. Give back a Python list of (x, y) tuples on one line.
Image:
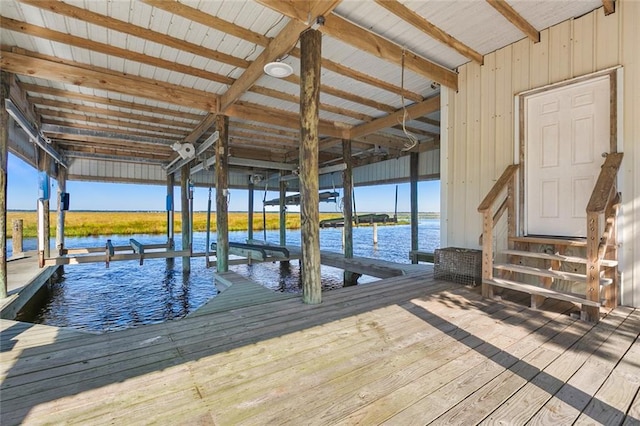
[(368, 353), (522, 406)]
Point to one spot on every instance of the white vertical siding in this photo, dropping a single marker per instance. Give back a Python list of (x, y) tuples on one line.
[(113, 171), (480, 135)]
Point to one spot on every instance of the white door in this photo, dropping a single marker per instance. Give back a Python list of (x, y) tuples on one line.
[(567, 131)]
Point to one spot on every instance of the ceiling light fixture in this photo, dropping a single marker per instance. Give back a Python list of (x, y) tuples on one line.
[(278, 69)]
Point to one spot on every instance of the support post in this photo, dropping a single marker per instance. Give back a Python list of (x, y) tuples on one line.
[(310, 47), (207, 246), (184, 214), (62, 189), (350, 278), (171, 180), (592, 313), (44, 241), (250, 212), (413, 166), (375, 234), (4, 153), (283, 212), (222, 185), (16, 236)]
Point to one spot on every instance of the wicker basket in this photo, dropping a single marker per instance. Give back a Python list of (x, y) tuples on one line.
[(460, 265)]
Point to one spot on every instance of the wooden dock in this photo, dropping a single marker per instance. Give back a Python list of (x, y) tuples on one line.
[(401, 351), (367, 266), (24, 279)]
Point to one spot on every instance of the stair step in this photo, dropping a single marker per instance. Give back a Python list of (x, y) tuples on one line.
[(560, 257), (560, 275), (540, 291), (572, 242)]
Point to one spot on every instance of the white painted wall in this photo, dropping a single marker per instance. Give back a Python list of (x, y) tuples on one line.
[(478, 141)]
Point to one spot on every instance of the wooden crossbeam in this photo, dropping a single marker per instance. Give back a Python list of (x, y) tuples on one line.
[(431, 30), (23, 64), (516, 19)]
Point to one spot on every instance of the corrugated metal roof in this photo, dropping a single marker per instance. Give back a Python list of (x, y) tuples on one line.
[(185, 58)]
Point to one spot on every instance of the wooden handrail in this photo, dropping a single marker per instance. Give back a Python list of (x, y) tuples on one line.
[(603, 190), (604, 200), (498, 187)]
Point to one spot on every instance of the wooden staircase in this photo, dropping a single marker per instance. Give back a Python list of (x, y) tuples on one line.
[(583, 271)]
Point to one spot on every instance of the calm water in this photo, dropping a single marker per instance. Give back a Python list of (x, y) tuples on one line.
[(93, 298)]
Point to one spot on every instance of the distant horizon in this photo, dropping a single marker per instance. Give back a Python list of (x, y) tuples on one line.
[(204, 211), (22, 195)]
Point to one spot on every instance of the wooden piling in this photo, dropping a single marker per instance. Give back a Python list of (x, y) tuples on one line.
[(250, 212), (375, 234), (222, 185), (4, 153), (283, 212), (347, 202), (310, 47), (171, 180), (62, 189), (184, 205), (16, 237), (413, 170)]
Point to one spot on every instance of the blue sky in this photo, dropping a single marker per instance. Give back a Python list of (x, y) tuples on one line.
[(22, 193)]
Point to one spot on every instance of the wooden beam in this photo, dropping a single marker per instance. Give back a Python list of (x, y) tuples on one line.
[(413, 111), (110, 112), (69, 118), (111, 50), (516, 19), (296, 100), (222, 185), (279, 46), (414, 162), (311, 42), (253, 112), (429, 29), (609, 7), (221, 25), (134, 30), (35, 88), (367, 41), (5, 85), (195, 15), (186, 225), (97, 78)]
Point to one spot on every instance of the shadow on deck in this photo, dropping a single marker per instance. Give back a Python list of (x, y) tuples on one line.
[(403, 350)]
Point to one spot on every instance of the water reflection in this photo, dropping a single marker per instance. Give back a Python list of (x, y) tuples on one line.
[(93, 298)]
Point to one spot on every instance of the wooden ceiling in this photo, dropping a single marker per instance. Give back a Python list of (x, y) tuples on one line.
[(123, 80)]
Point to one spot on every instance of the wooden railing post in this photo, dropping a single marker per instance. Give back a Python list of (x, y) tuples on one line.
[(487, 252), (508, 180), (592, 313)]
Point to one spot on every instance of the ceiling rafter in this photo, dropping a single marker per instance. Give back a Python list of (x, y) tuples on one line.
[(516, 19), (71, 11), (365, 40), (144, 119), (60, 93), (74, 116), (415, 110), (108, 49), (609, 6), (21, 63), (84, 43), (429, 29), (253, 112), (123, 131), (214, 22), (278, 46)]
